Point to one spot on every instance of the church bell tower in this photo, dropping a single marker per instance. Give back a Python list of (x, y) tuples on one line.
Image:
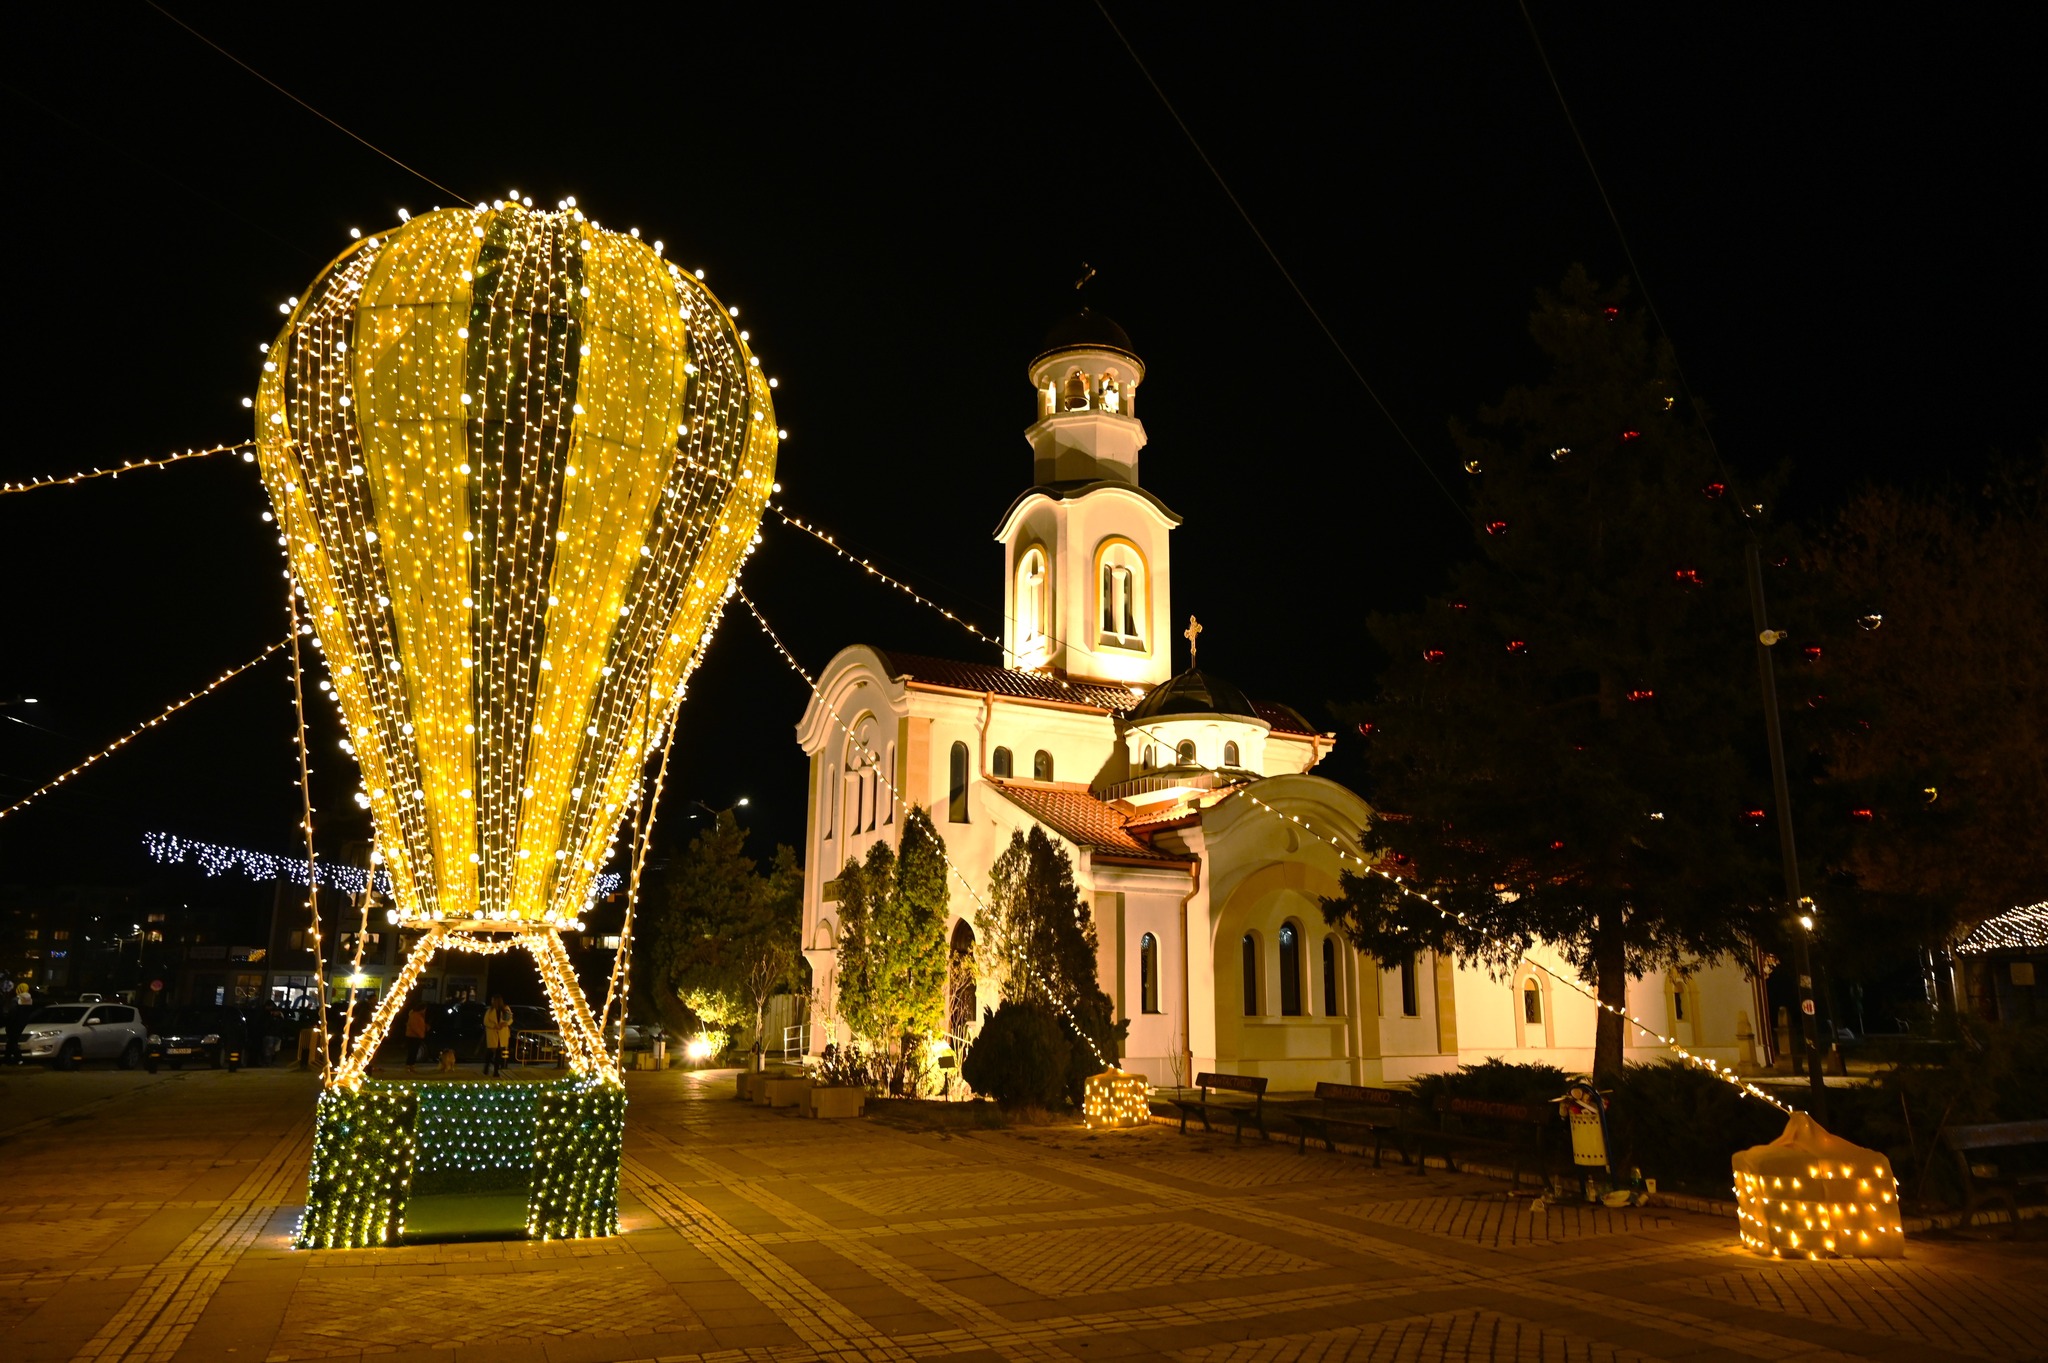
[(1087, 572)]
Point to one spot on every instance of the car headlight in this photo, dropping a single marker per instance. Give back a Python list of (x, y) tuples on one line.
[(44, 1033), (210, 1039), (155, 1040)]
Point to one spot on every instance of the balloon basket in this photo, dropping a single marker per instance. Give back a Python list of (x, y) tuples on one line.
[(398, 1161)]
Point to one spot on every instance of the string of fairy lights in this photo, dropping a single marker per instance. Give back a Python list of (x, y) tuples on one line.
[(143, 728), (247, 449), (1705, 1063), (214, 859), (825, 538)]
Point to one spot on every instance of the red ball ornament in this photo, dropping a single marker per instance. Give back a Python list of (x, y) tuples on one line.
[(1496, 527), (1611, 314), (1365, 728), (1713, 490), (1557, 844), (1812, 653), (1863, 815), (1518, 645), (1689, 576), (1459, 605), (1432, 655), (1753, 815), (1642, 693), (1630, 437)]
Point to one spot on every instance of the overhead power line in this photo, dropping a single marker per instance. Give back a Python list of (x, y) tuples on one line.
[(457, 194), (1464, 514)]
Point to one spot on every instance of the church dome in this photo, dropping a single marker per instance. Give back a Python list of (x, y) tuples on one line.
[(1192, 693), (1085, 330)]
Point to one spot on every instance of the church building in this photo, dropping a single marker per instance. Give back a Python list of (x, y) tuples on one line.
[(1201, 837)]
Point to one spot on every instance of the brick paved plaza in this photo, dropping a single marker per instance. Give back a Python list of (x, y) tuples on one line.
[(753, 1234)]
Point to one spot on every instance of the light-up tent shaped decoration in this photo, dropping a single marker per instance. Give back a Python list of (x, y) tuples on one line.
[(1810, 1195), (516, 461)]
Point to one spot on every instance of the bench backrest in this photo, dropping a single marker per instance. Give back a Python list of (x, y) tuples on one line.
[(1237, 1083), (1533, 1114), (1359, 1093), (1996, 1135)]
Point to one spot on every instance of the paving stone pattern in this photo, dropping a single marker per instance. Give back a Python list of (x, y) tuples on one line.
[(148, 1218)]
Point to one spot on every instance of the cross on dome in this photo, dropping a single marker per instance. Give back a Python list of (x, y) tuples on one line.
[(1192, 634)]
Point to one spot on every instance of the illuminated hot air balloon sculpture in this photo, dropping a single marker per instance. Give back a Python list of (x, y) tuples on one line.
[(516, 461)]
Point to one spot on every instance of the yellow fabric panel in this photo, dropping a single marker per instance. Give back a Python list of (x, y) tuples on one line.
[(410, 367)]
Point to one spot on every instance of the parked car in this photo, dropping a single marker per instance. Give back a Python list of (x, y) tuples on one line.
[(204, 1032), (65, 1034)]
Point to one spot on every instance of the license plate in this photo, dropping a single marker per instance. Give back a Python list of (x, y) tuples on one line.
[(184, 1050)]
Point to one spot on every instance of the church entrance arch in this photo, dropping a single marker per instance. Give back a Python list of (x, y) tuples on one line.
[(1291, 1037)]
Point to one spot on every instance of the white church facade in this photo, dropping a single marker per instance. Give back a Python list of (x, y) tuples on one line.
[(1174, 794)]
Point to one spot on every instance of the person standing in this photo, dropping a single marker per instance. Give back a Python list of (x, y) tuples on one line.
[(497, 1035), (415, 1034), (20, 1005)]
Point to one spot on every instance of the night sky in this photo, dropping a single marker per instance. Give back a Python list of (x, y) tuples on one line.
[(1830, 207)]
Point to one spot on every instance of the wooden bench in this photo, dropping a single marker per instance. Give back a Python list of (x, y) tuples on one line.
[(1997, 1185), (1525, 1124), (1237, 1109), (1353, 1112)]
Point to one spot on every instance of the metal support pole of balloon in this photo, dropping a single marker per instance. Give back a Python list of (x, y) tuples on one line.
[(291, 599)]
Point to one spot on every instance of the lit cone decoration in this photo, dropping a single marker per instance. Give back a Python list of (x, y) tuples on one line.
[(1810, 1195), (516, 461)]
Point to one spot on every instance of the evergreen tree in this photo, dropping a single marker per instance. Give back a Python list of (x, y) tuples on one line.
[(1569, 740), (1039, 944), (892, 943), (724, 937), (1926, 691)]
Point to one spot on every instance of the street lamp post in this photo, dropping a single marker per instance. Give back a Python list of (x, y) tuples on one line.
[(1800, 907)]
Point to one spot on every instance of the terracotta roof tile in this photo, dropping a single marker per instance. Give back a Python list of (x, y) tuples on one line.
[(1004, 681), (1081, 819)]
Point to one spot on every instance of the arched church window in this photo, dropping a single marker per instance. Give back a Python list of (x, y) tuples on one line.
[(1041, 765), (1333, 1000), (1031, 598), (1185, 753), (956, 785), (1411, 987), (1532, 1001), (1230, 754), (1251, 976), (1075, 395), (1151, 757), (1002, 763), (1290, 971), (1120, 591), (1148, 973)]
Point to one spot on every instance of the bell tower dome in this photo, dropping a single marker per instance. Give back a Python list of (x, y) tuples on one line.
[(1087, 378), (1086, 590)]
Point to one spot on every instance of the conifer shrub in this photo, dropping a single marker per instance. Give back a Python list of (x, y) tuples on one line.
[(1021, 1057)]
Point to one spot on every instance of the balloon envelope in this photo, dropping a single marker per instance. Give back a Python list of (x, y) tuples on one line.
[(516, 461)]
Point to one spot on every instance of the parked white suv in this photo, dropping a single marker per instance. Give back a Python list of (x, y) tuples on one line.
[(66, 1033)]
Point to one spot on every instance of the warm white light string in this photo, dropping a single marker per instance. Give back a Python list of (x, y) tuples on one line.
[(1703, 1062), (291, 600), (143, 727), (895, 796), (1711, 1066), (825, 538), (133, 465)]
